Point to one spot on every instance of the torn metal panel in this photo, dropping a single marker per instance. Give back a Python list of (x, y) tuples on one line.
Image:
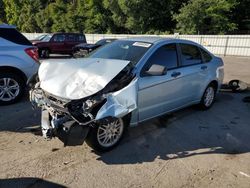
[(78, 78), (120, 103)]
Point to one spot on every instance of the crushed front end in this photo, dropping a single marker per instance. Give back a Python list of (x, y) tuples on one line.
[(71, 118), (60, 115)]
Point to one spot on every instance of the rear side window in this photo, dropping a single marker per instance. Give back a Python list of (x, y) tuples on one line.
[(14, 36), (190, 54), (72, 37), (59, 38), (206, 56), (165, 56), (81, 38)]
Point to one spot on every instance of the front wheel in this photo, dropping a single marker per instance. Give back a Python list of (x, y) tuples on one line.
[(106, 134), (208, 97)]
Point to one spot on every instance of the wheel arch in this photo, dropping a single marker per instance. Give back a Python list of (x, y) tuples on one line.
[(215, 84), (14, 70), (44, 48)]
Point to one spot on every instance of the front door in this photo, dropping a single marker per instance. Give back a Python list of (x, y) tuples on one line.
[(159, 94), (57, 43)]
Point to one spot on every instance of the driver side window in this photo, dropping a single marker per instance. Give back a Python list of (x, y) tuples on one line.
[(165, 55), (59, 38)]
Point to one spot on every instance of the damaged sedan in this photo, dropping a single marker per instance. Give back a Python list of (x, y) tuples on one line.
[(122, 84)]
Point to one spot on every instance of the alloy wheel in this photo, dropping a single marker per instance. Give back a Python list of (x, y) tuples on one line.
[(109, 134), (209, 96), (9, 89)]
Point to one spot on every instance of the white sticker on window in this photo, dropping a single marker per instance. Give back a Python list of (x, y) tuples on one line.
[(142, 44)]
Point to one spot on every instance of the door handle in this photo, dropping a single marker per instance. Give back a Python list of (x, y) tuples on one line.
[(204, 67), (175, 74)]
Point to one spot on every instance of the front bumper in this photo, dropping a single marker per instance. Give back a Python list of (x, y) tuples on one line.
[(56, 118), (68, 131)]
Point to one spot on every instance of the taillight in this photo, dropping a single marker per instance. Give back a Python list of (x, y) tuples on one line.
[(33, 53)]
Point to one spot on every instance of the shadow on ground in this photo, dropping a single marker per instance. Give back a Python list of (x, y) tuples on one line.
[(223, 129), (19, 117), (28, 182)]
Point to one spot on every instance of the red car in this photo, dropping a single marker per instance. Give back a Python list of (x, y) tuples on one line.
[(58, 43)]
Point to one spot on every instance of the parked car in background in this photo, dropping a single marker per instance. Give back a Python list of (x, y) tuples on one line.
[(83, 49), (124, 83), (59, 43), (39, 38), (18, 62)]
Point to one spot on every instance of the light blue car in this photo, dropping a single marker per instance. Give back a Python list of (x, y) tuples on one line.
[(124, 83), (18, 62)]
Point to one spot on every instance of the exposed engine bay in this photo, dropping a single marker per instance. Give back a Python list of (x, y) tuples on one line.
[(61, 116)]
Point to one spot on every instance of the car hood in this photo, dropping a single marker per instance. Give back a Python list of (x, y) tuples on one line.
[(78, 78), (38, 42)]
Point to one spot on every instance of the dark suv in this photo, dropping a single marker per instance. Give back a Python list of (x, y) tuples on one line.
[(59, 43)]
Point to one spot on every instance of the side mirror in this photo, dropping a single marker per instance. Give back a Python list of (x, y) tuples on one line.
[(156, 70)]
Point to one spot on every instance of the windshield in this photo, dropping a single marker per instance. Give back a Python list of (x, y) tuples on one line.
[(104, 41), (100, 42), (47, 38), (123, 50), (40, 37)]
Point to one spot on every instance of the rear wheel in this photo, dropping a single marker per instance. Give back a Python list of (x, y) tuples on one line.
[(106, 134), (11, 88), (44, 53), (208, 97)]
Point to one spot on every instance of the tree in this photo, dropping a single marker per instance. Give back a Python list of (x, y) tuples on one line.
[(58, 11), (26, 20), (141, 16), (133, 16), (241, 16), (205, 17), (44, 20), (12, 11), (2, 13), (117, 17), (97, 18)]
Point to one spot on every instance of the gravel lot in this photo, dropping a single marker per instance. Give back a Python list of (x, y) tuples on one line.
[(191, 148)]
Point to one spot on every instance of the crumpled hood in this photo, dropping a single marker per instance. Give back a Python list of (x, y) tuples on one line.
[(78, 78)]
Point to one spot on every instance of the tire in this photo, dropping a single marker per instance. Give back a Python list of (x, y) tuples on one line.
[(44, 53), (104, 130), (12, 88), (208, 97)]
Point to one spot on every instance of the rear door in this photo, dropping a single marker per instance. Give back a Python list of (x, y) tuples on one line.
[(194, 71), (71, 41)]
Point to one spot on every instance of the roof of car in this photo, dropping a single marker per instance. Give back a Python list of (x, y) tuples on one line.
[(149, 39), (155, 39), (109, 39), (7, 26), (67, 33)]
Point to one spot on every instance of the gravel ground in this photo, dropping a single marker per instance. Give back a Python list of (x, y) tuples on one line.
[(191, 148)]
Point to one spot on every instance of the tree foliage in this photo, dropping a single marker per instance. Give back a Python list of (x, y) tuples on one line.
[(205, 17), (2, 13), (123, 16), (241, 16)]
